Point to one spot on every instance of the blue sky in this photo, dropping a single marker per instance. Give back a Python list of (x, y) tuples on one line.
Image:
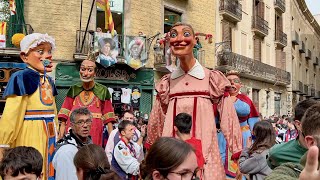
[(314, 6)]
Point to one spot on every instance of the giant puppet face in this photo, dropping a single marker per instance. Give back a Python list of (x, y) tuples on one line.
[(35, 57), (235, 84), (182, 40), (87, 71)]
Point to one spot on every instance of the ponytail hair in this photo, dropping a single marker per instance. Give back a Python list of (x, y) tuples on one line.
[(92, 160)]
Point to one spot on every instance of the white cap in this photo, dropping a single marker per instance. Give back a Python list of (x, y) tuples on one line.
[(33, 40)]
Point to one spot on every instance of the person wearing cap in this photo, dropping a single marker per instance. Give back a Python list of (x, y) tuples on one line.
[(29, 117), (135, 49), (107, 57), (93, 95)]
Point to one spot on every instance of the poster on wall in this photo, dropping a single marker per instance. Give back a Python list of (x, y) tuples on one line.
[(107, 46), (135, 51)]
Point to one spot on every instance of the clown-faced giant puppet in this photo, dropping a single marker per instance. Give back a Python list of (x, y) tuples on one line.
[(200, 92), (93, 95), (29, 116)]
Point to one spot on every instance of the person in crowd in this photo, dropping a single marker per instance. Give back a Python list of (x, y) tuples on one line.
[(291, 132), (253, 160), (89, 94), (247, 115), (182, 127), (126, 152), (194, 89), (107, 57), (21, 163), (115, 137), (29, 115), (91, 164), (310, 130), (293, 150), (169, 158), (67, 147)]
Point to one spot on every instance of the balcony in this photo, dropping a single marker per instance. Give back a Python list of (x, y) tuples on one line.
[(302, 47), (9, 49), (295, 38), (313, 92), (297, 86), (308, 54), (317, 95), (259, 26), (281, 39), (280, 5), (316, 61), (231, 10), (88, 42), (252, 69)]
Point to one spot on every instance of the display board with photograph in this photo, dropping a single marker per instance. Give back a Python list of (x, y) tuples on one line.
[(135, 51), (107, 46)]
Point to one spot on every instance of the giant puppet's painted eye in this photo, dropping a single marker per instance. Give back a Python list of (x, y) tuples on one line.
[(173, 34), (186, 34)]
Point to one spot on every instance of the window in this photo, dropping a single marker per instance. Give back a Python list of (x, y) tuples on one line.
[(170, 18), (116, 7)]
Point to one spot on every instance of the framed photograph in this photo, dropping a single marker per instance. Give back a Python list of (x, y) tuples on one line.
[(108, 49), (135, 51)]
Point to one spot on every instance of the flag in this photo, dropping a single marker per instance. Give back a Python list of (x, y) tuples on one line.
[(12, 5), (104, 5), (3, 28)]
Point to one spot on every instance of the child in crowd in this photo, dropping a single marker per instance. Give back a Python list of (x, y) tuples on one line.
[(253, 160), (182, 127), (21, 163)]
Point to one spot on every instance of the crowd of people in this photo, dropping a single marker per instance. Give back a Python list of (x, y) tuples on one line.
[(201, 126)]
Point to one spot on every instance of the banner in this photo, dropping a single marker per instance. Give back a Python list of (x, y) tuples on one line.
[(135, 51), (108, 49)]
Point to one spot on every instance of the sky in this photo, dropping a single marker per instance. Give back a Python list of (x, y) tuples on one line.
[(314, 6)]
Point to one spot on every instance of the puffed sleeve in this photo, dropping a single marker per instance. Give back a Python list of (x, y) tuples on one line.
[(12, 119), (229, 123), (159, 109)]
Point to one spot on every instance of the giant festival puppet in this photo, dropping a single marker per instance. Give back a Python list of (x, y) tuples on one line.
[(29, 117), (247, 115), (196, 90), (92, 95)]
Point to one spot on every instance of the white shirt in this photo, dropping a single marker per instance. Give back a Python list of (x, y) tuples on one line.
[(111, 92), (126, 95), (125, 158), (110, 145), (63, 162)]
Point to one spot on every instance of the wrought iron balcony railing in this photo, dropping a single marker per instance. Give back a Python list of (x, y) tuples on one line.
[(252, 68), (12, 29), (302, 47), (280, 5), (313, 92), (231, 10), (281, 39), (260, 26), (305, 89), (295, 38), (308, 54), (297, 86), (316, 61)]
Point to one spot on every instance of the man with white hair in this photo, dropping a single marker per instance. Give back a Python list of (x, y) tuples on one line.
[(29, 117)]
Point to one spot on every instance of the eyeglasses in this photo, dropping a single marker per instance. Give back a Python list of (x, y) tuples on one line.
[(81, 123), (188, 175)]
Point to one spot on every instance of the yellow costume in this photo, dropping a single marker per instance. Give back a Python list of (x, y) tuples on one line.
[(29, 119)]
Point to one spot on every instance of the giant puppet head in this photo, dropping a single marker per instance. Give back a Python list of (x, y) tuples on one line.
[(88, 68), (182, 39), (36, 51), (234, 78)]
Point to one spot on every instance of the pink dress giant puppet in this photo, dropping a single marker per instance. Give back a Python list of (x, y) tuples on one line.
[(195, 90)]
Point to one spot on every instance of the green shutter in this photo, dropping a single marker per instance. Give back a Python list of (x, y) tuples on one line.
[(146, 101), (62, 93)]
